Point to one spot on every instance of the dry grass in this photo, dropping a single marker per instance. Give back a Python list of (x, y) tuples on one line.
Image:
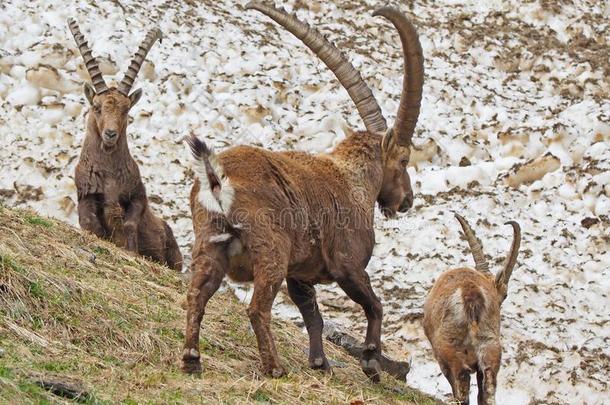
[(75, 307)]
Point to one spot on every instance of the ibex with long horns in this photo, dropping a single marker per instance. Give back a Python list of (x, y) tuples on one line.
[(462, 319), (112, 201), (266, 216)]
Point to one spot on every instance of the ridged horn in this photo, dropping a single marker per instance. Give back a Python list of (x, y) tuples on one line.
[(332, 57), (136, 63), (413, 78), (90, 62), (475, 245), (503, 276)]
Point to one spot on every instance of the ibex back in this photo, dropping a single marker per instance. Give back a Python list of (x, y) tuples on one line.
[(266, 216)]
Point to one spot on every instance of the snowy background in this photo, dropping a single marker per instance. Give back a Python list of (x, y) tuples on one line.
[(515, 124)]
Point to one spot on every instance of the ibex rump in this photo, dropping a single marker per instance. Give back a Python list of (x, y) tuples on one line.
[(462, 320)]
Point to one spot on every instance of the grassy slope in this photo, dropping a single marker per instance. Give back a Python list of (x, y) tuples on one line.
[(73, 306)]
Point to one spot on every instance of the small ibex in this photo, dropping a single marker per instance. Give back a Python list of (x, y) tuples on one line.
[(112, 201), (462, 320), (267, 216)]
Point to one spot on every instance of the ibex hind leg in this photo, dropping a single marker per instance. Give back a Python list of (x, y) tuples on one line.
[(304, 297), (357, 286), (173, 256), (209, 264), (489, 365)]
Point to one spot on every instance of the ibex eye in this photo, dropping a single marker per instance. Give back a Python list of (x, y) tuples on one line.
[(96, 108)]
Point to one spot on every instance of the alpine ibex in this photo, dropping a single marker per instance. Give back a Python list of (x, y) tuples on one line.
[(462, 319), (112, 201), (267, 216)]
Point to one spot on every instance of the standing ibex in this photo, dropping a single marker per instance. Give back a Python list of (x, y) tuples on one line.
[(268, 216), (112, 201), (462, 319)]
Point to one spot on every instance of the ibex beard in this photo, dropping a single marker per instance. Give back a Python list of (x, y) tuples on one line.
[(243, 196)]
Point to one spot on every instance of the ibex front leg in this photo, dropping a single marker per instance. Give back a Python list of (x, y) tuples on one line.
[(132, 221), (88, 210), (357, 286)]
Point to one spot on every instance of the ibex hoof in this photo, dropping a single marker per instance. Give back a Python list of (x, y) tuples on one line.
[(319, 363), (190, 362), (275, 372), (370, 362)]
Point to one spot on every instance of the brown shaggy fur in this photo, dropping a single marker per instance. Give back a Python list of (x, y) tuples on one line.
[(267, 217), (297, 217), (112, 201), (462, 323)]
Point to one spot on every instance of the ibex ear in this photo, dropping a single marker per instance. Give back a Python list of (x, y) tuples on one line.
[(388, 142), (89, 92), (135, 97)]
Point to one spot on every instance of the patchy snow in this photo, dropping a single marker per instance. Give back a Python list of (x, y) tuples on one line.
[(506, 83)]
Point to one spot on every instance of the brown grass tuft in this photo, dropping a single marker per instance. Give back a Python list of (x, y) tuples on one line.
[(75, 307)]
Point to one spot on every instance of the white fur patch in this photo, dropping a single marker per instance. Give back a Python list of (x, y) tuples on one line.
[(456, 303), (206, 198), (235, 248), (222, 237)]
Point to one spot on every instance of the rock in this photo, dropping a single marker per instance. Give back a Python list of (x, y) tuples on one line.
[(28, 192), (397, 369), (148, 71), (424, 152), (533, 170), (107, 67), (44, 76), (65, 387), (589, 222)]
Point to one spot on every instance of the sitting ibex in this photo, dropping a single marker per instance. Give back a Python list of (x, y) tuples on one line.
[(268, 216), (462, 319), (112, 201)]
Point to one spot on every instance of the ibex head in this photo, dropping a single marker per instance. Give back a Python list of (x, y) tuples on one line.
[(111, 105), (396, 194)]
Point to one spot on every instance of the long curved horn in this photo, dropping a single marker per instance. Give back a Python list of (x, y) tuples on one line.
[(349, 77), (413, 79), (136, 63), (475, 246), (90, 62), (503, 276)]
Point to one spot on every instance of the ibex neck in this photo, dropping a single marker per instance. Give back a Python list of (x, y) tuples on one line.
[(359, 156)]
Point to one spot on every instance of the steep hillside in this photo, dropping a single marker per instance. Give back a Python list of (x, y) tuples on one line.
[(77, 311), (514, 125)]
